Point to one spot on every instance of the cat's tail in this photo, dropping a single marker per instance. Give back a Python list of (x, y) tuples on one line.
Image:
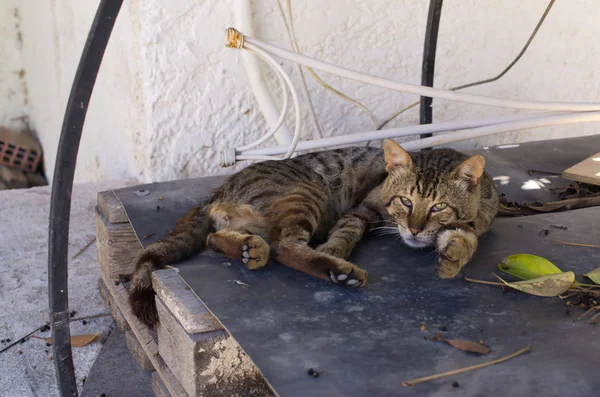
[(187, 239)]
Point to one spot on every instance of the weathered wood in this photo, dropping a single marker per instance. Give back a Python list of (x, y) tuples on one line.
[(138, 353), (146, 339), (142, 332), (110, 303), (587, 171), (166, 375), (183, 303), (209, 363), (117, 247), (158, 387), (111, 207)]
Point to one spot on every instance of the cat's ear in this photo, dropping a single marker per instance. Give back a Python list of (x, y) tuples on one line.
[(395, 156), (471, 169)]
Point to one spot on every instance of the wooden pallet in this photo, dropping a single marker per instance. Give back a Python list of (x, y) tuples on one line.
[(190, 353)]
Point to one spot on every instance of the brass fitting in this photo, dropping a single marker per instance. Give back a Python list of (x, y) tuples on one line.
[(234, 39)]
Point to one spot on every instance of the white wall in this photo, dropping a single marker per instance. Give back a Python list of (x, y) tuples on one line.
[(113, 144), (169, 96), (13, 91)]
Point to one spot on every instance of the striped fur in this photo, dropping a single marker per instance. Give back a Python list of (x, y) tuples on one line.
[(326, 200)]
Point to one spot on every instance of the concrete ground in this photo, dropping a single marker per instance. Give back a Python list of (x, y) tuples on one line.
[(115, 372), (27, 369)]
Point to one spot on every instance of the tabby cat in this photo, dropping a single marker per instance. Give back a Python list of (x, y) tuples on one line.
[(328, 200)]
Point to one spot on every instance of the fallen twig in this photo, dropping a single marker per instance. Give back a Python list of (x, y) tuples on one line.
[(18, 341), (524, 209), (466, 369), (591, 309), (472, 280), (47, 325), (89, 317), (577, 244), (84, 248)]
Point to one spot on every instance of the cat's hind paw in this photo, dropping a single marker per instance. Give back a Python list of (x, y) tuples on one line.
[(255, 252), (349, 276)]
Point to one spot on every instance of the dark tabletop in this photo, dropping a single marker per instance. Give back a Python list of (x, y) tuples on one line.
[(366, 342)]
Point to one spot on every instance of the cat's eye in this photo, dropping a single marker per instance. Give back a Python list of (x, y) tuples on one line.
[(439, 207), (406, 202)]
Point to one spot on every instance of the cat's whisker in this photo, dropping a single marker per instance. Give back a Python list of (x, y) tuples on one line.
[(385, 228)]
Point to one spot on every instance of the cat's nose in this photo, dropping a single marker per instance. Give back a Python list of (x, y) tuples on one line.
[(414, 231)]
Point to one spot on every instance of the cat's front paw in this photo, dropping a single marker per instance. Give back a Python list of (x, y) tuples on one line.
[(447, 268), (347, 274), (455, 251)]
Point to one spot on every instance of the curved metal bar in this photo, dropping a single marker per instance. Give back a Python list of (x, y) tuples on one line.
[(62, 185), (428, 65)]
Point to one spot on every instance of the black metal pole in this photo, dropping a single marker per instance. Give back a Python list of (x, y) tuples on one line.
[(62, 185), (428, 65)]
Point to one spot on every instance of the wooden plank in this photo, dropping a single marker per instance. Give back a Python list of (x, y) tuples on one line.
[(145, 337), (110, 303), (183, 303), (111, 207), (138, 353), (141, 331), (209, 363), (587, 171), (117, 247), (158, 387)]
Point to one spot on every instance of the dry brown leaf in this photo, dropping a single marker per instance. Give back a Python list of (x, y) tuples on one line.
[(79, 340), (550, 285), (468, 346)]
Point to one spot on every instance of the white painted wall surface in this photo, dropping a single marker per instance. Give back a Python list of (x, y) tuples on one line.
[(54, 33), (13, 92), (169, 96)]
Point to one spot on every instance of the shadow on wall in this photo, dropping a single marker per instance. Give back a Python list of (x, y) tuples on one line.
[(21, 163)]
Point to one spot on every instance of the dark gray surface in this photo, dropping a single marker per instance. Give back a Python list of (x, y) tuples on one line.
[(366, 342), (510, 165), (154, 214), (115, 372)]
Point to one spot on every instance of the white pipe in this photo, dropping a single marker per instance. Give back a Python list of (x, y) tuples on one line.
[(417, 89), (264, 97), (392, 133)]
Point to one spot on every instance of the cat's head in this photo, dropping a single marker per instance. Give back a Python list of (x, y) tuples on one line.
[(424, 196)]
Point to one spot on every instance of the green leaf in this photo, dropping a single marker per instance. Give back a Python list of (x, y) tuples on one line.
[(526, 266), (551, 285), (594, 275)]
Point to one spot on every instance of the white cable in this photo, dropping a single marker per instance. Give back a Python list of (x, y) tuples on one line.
[(289, 27), (279, 68), (579, 117), (242, 157), (263, 95), (284, 107), (395, 133), (417, 89)]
